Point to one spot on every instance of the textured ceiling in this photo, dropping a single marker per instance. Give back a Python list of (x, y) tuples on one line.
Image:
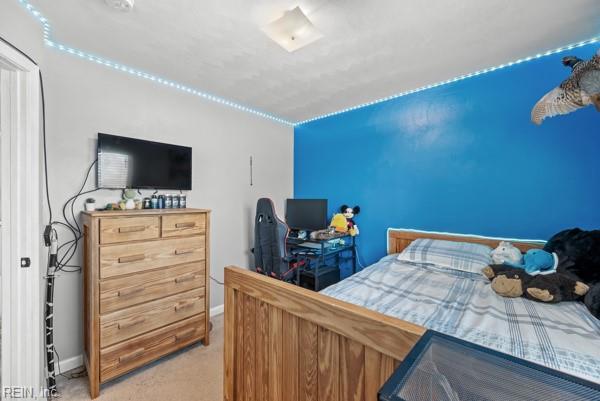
[(370, 49)]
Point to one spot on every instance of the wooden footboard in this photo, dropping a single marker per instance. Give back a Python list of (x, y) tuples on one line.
[(283, 343)]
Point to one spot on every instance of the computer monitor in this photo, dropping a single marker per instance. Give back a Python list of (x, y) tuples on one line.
[(306, 214)]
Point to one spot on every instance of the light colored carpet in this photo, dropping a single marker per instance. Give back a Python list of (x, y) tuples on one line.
[(195, 373)]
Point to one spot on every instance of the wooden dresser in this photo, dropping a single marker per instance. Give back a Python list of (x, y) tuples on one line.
[(145, 287)]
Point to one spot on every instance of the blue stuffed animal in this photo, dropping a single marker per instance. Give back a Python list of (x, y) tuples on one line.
[(537, 261)]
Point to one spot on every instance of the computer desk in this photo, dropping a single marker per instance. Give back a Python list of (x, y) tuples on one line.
[(322, 252)]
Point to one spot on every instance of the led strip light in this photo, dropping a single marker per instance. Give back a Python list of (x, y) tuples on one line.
[(530, 241), (133, 71), (459, 78)]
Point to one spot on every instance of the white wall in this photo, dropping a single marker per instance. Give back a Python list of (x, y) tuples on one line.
[(83, 98)]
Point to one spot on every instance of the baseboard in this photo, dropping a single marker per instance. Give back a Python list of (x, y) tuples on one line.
[(68, 364), (77, 361), (217, 310)]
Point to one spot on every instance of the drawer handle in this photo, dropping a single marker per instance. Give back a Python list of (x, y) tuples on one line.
[(132, 229), (130, 323), (130, 291), (185, 334), (185, 225), (184, 305), (132, 258), (132, 355), (184, 251), (184, 278)]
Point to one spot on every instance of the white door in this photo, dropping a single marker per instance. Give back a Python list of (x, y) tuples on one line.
[(20, 230)]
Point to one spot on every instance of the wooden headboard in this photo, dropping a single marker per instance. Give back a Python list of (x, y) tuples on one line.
[(399, 239)]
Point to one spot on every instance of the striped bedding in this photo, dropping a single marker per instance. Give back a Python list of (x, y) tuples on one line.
[(562, 336)]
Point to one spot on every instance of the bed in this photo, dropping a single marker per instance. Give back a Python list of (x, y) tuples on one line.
[(563, 336), (286, 343)]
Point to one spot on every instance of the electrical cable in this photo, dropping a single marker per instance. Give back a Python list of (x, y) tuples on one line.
[(87, 176), (58, 365), (358, 258), (49, 310), (47, 186), (73, 226), (73, 244), (19, 50), (74, 375), (216, 281)]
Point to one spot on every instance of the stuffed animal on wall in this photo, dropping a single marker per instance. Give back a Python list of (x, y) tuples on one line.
[(581, 89), (506, 253), (509, 281), (349, 213)]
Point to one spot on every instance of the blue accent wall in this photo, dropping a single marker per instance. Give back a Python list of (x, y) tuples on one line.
[(463, 158)]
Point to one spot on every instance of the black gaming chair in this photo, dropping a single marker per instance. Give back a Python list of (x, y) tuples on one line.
[(270, 236)]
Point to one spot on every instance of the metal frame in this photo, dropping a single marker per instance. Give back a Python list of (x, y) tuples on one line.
[(322, 254), (391, 387)]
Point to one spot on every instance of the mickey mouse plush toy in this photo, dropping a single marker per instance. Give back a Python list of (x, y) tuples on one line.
[(349, 213)]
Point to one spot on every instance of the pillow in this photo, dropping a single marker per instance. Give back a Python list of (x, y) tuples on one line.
[(462, 256)]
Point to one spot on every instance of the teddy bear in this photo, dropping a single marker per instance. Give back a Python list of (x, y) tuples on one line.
[(506, 252), (510, 281)]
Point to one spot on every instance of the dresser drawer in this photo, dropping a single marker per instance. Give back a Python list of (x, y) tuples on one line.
[(128, 229), (136, 257), (127, 323), (138, 351), (182, 225), (122, 292)]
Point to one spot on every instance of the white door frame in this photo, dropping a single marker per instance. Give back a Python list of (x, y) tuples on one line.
[(21, 204)]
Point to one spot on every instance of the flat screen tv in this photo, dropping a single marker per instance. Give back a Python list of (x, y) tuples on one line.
[(134, 163)]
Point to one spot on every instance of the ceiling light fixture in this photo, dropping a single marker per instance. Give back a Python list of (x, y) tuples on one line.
[(121, 5), (292, 31)]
